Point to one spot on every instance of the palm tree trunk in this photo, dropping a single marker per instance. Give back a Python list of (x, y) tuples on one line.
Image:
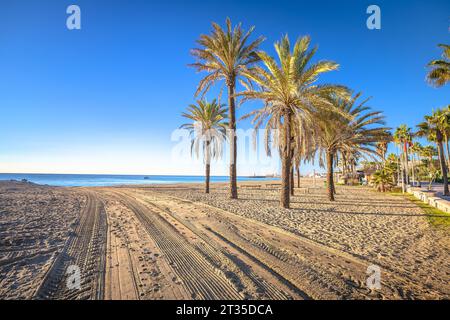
[(406, 166), (398, 167), (233, 142), (417, 157), (298, 175), (402, 165), (413, 170), (207, 172), (443, 166), (344, 162), (448, 152), (430, 163), (334, 179), (208, 165), (330, 183), (286, 161), (394, 179), (291, 183)]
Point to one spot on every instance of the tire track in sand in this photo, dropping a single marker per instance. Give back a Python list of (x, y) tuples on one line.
[(201, 278), (253, 272), (85, 248), (319, 270)]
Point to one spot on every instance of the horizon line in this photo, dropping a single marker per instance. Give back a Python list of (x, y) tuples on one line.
[(125, 174)]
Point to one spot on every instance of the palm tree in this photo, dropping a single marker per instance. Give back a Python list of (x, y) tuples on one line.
[(382, 180), (225, 55), (439, 74), (432, 129), (428, 152), (391, 165), (403, 137), (382, 149), (416, 149), (348, 162), (208, 131), (351, 131), (445, 127), (291, 97)]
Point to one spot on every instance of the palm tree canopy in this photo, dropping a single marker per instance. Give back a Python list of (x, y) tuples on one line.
[(208, 126), (403, 135), (439, 73), (392, 157), (416, 147), (382, 147), (224, 54), (434, 126), (444, 119), (428, 152), (356, 134), (382, 179)]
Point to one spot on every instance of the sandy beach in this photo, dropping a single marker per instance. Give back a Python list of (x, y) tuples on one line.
[(175, 242)]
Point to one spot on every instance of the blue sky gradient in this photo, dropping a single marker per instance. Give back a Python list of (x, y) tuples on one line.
[(106, 98)]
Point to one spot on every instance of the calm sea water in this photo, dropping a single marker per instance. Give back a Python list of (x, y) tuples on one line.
[(87, 180)]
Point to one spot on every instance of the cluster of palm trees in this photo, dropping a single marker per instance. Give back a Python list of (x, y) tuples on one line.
[(412, 155), (303, 118), (436, 128), (414, 161)]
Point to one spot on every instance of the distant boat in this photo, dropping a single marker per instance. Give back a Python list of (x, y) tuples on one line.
[(146, 178), (255, 176)]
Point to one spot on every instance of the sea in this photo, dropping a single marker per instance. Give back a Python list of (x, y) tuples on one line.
[(92, 180)]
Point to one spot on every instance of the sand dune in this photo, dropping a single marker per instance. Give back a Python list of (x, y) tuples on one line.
[(174, 242)]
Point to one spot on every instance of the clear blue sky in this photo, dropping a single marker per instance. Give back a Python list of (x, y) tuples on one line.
[(106, 98)]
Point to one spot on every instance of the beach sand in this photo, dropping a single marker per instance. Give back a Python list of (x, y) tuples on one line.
[(175, 242)]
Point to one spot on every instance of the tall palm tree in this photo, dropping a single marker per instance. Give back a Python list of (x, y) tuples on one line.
[(207, 131), (291, 97), (444, 119), (348, 161), (297, 159), (225, 55), (356, 130), (392, 166), (416, 149), (439, 74), (382, 180), (432, 129), (428, 152)]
